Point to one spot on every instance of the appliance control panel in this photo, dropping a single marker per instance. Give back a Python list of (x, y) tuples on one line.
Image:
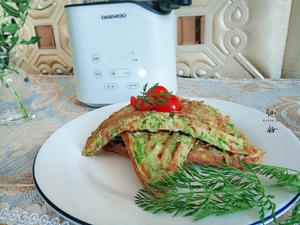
[(115, 56), (114, 75)]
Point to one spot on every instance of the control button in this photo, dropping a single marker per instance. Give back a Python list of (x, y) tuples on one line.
[(133, 85), (95, 58), (110, 86), (119, 73), (97, 74), (142, 72)]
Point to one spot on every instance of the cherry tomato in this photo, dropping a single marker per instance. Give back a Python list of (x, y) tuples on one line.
[(142, 107), (157, 90), (173, 104)]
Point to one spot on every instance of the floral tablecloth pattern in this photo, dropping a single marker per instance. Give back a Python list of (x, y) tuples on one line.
[(54, 101)]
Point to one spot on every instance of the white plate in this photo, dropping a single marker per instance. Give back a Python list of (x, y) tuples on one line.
[(101, 189)]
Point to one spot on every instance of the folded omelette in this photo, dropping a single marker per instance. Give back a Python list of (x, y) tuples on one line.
[(158, 142)]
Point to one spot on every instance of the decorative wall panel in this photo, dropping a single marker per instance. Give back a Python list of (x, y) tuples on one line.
[(239, 39), (52, 54), (243, 39)]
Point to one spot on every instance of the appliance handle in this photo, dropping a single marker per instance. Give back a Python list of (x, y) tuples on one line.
[(166, 5), (158, 6), (169, 5), (173, 4)]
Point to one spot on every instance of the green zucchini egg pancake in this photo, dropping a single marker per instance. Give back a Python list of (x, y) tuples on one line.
[(155, 154), (200, 153), (158, 143), (196, 119)]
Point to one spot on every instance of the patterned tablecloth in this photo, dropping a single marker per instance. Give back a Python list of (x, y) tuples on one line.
[(54, 100)]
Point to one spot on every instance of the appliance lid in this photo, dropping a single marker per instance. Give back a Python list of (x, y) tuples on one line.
[(157, 6)]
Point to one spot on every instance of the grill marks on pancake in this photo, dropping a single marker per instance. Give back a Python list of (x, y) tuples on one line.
[(162, 153), (198, 120), (200, 153)]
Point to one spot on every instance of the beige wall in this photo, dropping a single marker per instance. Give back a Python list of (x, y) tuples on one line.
[(268, 52), (291, 68)]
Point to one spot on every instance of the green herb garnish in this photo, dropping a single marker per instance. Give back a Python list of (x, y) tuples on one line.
[(199, 193)]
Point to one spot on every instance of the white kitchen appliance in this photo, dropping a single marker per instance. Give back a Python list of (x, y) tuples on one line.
[(119, 46)]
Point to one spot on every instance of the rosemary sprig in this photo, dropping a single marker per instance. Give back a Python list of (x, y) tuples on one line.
[(150, 98), (216, 191), (283, 176)]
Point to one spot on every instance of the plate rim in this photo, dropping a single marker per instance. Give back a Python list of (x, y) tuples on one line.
[(50, 203), (268, 218), (66, 215)]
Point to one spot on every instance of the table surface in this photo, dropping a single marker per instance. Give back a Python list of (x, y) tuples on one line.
[(54, 101)]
